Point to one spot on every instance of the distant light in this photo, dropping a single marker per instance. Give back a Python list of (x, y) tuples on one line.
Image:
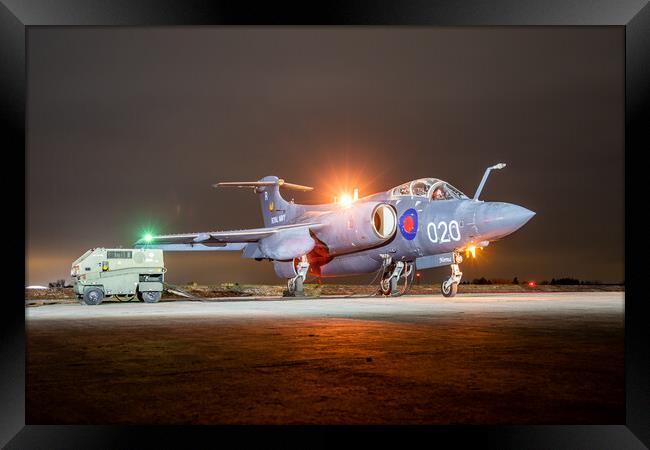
[(346, 200), (471, 250), (148, 237), (417, 274), (531, 283)]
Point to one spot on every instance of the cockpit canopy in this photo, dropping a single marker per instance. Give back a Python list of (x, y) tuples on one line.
[(431, 188)]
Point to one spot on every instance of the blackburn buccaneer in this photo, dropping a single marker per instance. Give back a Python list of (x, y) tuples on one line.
[(420, 224)]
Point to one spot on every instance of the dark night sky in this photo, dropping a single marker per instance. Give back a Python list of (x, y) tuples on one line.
[(128, 128)]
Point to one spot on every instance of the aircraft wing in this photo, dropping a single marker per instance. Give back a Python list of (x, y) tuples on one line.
[(216, 240)]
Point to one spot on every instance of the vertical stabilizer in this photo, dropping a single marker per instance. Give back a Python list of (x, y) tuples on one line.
[(274, 207)]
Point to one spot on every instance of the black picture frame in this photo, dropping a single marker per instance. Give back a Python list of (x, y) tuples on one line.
[(16, 16)]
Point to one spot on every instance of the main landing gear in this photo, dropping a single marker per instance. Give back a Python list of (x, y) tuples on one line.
[(449, 287), (397, 278), (295, 285)]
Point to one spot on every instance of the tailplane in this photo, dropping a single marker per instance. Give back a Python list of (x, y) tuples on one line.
[(275, 209)]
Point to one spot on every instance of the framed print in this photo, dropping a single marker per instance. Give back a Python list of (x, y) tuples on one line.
[(402, 221)]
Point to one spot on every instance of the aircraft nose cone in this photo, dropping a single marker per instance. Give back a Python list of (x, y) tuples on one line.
[(496, 220)]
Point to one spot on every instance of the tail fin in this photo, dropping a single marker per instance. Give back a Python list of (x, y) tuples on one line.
[(275, 209)]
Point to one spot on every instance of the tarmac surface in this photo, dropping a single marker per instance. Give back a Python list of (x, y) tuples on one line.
[(538, 358)]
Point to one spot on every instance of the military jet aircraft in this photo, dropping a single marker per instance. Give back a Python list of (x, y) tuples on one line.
[(420, 224)]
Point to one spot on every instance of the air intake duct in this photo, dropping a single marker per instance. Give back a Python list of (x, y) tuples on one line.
[(357, 227)]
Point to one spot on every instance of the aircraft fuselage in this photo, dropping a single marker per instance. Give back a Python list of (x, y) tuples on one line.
[(424, 227)]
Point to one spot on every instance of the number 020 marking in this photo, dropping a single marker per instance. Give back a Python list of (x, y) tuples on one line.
[(448, 231)]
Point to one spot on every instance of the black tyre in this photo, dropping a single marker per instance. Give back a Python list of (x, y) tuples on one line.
[(402, 284), (384, 283), (93, 296), (450, 291), (150, 296), (295, 288), (298, 288)]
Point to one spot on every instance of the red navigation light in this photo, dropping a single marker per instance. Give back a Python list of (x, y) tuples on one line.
[(531, 283), (417, 274)]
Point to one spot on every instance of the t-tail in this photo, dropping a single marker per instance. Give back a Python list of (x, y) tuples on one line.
[(275, 209)]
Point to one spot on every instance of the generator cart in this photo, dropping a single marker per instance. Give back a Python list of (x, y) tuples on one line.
[(120, 273)]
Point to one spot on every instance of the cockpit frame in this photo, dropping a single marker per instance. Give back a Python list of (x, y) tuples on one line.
[(425, 187)]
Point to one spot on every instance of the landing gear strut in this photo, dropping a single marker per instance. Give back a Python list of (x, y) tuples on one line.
[(395, 273), (295, 285), (449, 287)]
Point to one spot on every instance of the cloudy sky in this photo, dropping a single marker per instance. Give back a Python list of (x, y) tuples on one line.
[(128, 128)]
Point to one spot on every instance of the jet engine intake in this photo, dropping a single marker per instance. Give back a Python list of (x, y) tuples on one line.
[(358, 227)]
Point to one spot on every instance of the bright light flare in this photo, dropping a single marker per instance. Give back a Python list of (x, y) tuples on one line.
[(471, 250), (146, 233), (339, 173), (531, 283), (345, 199)]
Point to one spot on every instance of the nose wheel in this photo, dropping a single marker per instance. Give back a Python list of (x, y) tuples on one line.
[(449, 287)]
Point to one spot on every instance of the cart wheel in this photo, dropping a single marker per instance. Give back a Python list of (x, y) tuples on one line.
[(150, 297), (93, 296)]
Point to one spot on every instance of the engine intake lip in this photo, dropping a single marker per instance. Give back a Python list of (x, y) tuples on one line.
[(384, 220)]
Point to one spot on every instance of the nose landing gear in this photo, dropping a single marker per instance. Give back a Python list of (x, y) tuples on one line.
[(449, 287)]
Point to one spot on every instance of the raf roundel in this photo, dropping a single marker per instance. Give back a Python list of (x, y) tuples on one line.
[(408, 224)]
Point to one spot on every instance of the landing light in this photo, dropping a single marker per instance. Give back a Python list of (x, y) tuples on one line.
[(346, 200), (471, 250), (148, 237)]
